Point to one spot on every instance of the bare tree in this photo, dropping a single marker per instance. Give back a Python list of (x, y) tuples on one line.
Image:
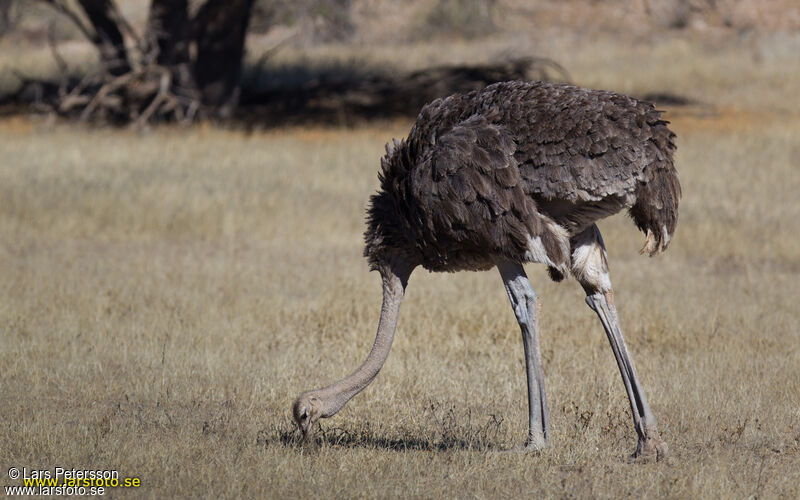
[(183, 66)]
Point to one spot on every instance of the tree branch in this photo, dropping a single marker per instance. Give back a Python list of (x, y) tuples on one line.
[(110, 43), (62, 7), (51, 43), (121, 21)]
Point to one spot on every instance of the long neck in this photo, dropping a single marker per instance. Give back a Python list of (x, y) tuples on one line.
[(337, 394)]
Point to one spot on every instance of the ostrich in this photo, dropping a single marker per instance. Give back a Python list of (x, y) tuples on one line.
[(515, 173)]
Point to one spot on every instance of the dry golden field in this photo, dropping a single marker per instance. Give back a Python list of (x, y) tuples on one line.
[(164, 297)]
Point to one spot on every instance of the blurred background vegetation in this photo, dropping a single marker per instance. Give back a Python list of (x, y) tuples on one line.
[(272, 62)]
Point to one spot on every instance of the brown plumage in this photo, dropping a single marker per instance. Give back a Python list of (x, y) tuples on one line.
[(482, 172), (518, 172)]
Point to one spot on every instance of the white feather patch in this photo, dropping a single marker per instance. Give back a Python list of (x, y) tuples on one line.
[(589, 263), (666, 236), (537, 253)]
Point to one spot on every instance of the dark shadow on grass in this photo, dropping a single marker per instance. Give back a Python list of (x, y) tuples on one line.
[(336, 93), (331, 94), (346, 94), (449, 427), (668, 99), (340, 437)]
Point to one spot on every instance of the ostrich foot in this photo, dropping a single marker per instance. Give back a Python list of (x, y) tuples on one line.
[(529, 448), (650, 449), (521, 450), (535, 444)]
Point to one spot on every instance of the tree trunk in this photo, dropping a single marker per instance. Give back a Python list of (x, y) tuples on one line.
[(182, 68), (109, 40), (169, 31), (220, 28), (169, 37)]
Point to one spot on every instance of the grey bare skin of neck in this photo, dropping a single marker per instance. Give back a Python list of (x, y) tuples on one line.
[(324, 403)]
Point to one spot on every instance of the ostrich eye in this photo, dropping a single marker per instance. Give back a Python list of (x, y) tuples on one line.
[(304, 415)]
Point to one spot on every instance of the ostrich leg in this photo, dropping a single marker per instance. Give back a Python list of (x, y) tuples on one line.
[(590, 266), (523, 300)]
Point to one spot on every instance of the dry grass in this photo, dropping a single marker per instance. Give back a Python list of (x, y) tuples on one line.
[(164, 297)]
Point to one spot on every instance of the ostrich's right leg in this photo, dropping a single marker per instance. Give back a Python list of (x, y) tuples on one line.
[(590, 268), (523, 300)]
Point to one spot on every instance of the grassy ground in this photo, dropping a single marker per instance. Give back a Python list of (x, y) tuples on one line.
[(164, 297)]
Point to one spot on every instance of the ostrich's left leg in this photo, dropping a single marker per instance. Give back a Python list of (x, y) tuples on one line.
[(523, 300), (590, 267)]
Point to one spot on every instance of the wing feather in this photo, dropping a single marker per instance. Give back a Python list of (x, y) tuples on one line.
[(470, 194)]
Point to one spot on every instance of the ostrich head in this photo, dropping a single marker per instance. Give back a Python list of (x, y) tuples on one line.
[(307, 409)]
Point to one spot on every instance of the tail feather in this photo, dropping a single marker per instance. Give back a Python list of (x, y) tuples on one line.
[(656, 209)]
